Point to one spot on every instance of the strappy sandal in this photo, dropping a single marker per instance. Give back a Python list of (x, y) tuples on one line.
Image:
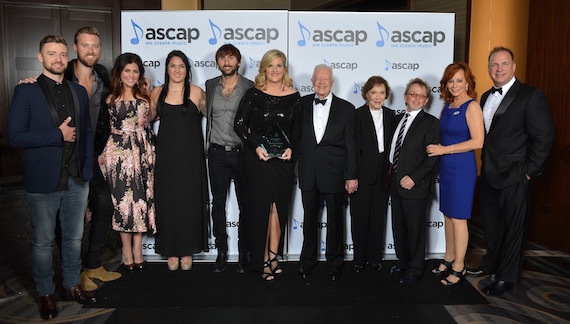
[(267, 276), (277, 270), (457, 274), (440, 273)]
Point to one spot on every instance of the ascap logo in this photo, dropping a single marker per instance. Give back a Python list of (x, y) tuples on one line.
[(409, 38), (349, 247), (331, 38), (198, 64), (243, 36), (152, 64), (412, 66), (232, 224), (438, 224), (164, 36)]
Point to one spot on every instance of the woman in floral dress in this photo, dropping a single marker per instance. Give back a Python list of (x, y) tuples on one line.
[(127, 161)]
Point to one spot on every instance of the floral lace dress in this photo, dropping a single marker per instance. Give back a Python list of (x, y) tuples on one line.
[(127, 163)]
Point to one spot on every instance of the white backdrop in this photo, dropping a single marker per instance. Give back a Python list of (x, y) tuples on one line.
[(397, 46)]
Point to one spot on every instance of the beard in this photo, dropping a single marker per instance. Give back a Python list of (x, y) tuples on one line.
[(231, 72), (55, 70), (89, 62)]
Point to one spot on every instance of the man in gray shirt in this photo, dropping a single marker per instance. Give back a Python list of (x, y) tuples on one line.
[(224, 150)]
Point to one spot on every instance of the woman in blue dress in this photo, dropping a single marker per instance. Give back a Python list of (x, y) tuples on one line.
[(462, 132)]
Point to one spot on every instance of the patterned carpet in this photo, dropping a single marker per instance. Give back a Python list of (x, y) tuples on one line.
[(542, 296)]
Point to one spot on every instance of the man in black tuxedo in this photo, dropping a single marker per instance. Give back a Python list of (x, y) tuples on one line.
[(327, 168), (411, 181), (519, 136)]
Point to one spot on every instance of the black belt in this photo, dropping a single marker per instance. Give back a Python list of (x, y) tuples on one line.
[(226, 148)]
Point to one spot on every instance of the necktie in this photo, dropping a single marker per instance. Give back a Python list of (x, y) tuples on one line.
[(319, 101), (399, 141), (493, 90)]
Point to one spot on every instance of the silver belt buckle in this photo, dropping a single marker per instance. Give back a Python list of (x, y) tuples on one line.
[(228, 148)]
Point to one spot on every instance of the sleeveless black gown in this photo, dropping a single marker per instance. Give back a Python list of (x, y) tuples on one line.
[(181, 184)]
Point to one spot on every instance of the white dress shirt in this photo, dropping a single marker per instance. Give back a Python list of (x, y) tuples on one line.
[(493, 102), (378, 118), (411, 118), (321, 117)]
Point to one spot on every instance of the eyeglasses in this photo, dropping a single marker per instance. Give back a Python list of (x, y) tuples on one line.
[(416, 95)]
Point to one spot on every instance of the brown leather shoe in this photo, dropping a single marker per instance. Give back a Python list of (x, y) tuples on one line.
[(48, 308), (77, 294)]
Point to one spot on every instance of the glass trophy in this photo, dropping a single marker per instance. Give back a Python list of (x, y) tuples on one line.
[(276, 141)]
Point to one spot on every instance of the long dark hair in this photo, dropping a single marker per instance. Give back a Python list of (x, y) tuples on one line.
[(164, 91), (116, 86)]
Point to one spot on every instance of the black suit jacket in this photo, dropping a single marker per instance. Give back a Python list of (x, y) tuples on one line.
[(369, 160), (332, 161), (34, 126), (520, 137), (413, 160)]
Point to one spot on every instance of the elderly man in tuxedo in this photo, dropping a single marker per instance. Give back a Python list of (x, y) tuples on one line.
[(519, 136), (327, 169), (411, 179), (50, 120)]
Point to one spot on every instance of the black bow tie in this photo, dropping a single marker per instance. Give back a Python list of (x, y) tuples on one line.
[(319, 101), (499, 90)]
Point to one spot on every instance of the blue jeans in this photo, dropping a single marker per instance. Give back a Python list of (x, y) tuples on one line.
[(71, 204)]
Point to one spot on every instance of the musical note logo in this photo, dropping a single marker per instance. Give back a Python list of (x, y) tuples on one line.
[(303, 42), (252, 63), (387, 65), (323, 246), (326, 62), (214, 40), (158, 83), (356, 88), (295, 224), (382, 31), (296, 86), (135, 40)]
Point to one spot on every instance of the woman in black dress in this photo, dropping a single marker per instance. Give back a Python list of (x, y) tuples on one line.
[(181, 188), (269, 114)]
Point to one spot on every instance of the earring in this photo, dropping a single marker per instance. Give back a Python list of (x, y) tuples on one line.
[(467, 88)]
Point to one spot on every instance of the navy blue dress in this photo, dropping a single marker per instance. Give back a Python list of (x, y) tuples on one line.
[(457, 172)]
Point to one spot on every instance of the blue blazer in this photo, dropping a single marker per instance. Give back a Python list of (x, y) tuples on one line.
[(33, 125)]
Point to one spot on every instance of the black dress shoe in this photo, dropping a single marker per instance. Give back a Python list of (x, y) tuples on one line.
[(497, 288), (305, 271), (376, 266), (221, 261), (77, 294), (478, 272), (407, 280), (358, 268), (243, 263), (396, 269), (335, 273), (48, 308)]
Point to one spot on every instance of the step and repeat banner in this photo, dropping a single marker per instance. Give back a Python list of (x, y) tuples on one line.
[(396, 46)]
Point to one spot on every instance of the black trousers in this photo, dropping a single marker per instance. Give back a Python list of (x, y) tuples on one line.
[(101, 214), (409, 229), (368, 208), (223, 167), (312, 204), (504, 214)]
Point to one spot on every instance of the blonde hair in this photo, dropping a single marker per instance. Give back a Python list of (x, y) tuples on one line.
[(268, 57)]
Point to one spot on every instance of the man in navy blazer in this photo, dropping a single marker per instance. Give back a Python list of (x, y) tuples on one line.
[(411, 180), (519, 136), (327, 168), (50, 120)]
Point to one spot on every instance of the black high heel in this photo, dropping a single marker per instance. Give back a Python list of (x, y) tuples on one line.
[(458, 274), (130, 268), (267, 276), (277, 270), (139, 266), (440, 273)]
